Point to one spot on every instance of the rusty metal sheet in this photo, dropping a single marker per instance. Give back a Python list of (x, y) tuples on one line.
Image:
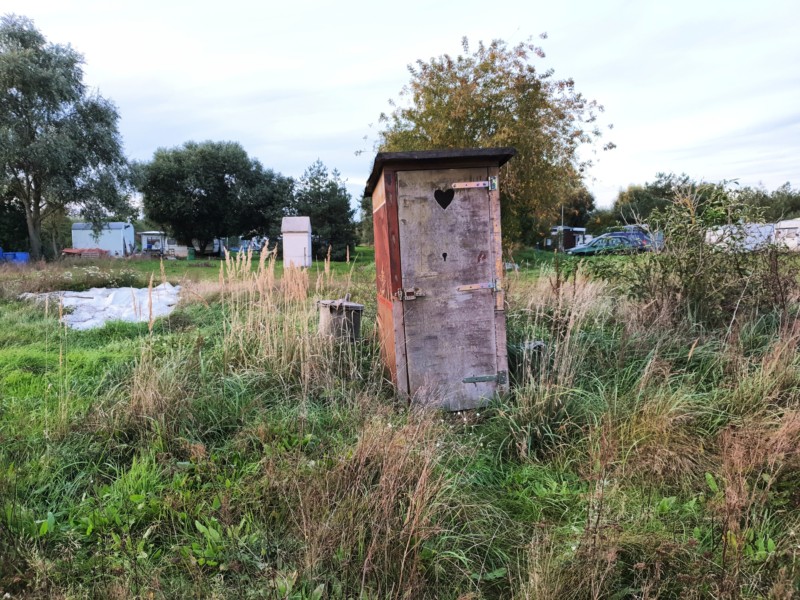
[(387, 268), (393, 230)]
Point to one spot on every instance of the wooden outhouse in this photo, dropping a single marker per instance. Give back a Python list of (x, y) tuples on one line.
[(439, 269)]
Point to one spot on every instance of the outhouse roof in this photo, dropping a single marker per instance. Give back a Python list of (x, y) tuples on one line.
[(461, 157), (112, 225), (296, 225)]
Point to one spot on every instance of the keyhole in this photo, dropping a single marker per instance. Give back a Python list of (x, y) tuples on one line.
[(444, 256)]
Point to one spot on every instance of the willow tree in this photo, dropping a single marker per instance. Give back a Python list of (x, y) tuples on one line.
[(496, 96), (60, 149)]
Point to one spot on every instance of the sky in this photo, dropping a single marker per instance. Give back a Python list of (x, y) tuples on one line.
[(704, 87)]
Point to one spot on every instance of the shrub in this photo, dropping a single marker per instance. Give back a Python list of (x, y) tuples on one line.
[(691, 280)]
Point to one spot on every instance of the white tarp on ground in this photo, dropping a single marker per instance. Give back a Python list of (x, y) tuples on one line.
[(94, 307)]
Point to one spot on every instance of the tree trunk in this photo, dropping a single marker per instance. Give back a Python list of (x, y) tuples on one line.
[(31, 198), (34, 234)]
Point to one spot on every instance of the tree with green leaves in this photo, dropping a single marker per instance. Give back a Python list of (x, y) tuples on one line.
[(493, 97), (206, 190), (781, 203), (13, 229), (366, 233), (60, 149), (636, 203), (323, 197), (578, 205)]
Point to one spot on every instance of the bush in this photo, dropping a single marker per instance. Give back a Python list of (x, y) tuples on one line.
[(691, 280)]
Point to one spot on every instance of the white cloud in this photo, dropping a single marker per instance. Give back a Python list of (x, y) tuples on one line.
[(708, 88)]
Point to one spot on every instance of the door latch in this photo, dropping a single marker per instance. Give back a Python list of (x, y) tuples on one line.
[(405, 294)]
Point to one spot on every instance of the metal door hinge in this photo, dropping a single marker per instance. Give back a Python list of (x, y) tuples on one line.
[(491, 184), (501, 377), (409, 294), (493, 285)]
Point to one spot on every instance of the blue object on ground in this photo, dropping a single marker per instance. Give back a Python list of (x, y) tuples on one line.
[(15, 257)]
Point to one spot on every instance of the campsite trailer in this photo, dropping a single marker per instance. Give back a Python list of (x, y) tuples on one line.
[(742, 237), (116, 238), (158, 242), (296, 233), (439, 270), (787, 234)]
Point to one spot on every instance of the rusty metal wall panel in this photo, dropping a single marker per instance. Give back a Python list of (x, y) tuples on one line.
[(383, 275), (393, 230), (447, 241), (388, 277), (386, 331)]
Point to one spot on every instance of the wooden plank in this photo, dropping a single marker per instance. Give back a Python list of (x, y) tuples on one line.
[(497, 240), (499, 272), (400, 349), (450, 334), (388, 280), (437, 159)]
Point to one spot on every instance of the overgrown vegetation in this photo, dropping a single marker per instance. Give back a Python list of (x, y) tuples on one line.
[(498, 95), (711, 264), (228, 451)]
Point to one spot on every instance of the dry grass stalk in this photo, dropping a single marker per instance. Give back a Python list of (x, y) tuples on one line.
[(377, 507), (545, 578), (270, 326), (752, 458), (561, 311), (659, 443), (158, 388)]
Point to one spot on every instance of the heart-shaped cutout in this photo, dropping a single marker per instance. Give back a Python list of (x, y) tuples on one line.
[(444, 198)]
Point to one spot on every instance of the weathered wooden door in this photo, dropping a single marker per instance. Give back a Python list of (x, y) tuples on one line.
[(447, 253)]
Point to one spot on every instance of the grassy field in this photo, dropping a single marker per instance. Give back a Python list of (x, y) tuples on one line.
[(229, 452)]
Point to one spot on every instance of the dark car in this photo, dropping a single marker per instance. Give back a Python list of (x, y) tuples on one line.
[(613, 243), (653, 240)]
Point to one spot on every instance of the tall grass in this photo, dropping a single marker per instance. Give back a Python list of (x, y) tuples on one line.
[(231, 451)]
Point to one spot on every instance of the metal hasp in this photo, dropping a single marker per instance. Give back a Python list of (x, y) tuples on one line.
[(501, 377), (439, 272), (492, 285)]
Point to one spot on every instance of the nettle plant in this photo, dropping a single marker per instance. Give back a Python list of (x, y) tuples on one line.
[(716, 261)]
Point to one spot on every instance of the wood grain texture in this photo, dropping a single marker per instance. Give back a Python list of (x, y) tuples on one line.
[(436, 159), (450, 335), (500, 315)]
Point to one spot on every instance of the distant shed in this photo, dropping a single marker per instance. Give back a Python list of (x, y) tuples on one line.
[(116, 238), (296, 232)]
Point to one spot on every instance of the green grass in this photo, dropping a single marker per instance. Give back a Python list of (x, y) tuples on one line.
[(231, 453)]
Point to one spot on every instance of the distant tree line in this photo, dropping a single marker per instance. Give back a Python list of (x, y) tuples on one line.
[(61, 155), (61, 158), (637, 203)]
